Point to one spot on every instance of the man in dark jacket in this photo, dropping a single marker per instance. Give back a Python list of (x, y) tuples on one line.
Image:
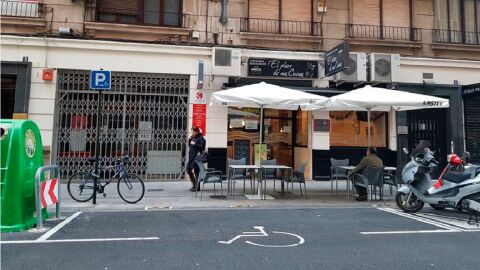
[(196, 146), (371, 160)]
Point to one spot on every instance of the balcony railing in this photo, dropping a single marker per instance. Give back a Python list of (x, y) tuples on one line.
[(383, 32), (456, 37), (270, 26), (30, 9)]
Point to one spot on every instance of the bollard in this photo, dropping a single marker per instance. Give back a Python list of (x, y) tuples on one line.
[(38, 191)]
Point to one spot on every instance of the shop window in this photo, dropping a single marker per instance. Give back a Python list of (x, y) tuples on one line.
[(243, 132), (350, 129), (244, 135), (301, 135)]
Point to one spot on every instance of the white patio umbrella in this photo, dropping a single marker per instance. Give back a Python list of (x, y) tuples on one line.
[(263, 95), (370, 98)]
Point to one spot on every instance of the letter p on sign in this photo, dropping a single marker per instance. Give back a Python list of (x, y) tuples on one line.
[(100, 79)]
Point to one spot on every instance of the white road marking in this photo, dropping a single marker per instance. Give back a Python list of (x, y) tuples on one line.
[(79, 240), (58, 227), (454, 221), (412, 232), (280, 246), (262, 233), (421, 219)]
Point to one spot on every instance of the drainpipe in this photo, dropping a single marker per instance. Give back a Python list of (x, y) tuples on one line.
[(223, 17)]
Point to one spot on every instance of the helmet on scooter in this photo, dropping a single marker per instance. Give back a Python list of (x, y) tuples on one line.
[(454, 160)]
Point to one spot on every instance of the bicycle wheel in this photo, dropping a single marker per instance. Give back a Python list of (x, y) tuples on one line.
[(80, 186), (131, 188)]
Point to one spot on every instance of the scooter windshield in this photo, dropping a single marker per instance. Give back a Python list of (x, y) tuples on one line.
[(420, 149)]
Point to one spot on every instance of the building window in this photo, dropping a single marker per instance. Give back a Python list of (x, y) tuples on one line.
[(149, 12), (457, 21), (350, 129)]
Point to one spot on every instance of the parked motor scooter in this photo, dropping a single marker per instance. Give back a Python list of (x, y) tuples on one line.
[(458, 186)]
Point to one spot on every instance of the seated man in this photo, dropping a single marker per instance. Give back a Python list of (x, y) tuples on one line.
[(371, 160)]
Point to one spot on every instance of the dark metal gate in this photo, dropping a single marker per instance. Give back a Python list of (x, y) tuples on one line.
[(472, 128), (144, 116), (429, 124)]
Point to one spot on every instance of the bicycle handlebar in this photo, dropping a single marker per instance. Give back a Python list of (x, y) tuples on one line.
[(124, 159)]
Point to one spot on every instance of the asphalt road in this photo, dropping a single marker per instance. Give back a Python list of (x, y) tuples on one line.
[(333, 238)]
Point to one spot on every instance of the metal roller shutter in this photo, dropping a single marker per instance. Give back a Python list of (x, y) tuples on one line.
[(396, 13), (366, 12), (119, 6), (472, 127), (296, 17), (264, 9), (299, 10)]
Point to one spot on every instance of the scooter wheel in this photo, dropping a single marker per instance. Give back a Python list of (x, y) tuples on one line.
[(412, 206), (437, 207)]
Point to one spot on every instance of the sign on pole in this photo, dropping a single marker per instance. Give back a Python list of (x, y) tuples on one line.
[(335, 59), (49, 192), (100, 79)]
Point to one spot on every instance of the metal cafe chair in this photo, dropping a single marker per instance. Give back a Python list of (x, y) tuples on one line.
[(371, 179), (208, 177), (298, 176), (337, 173)]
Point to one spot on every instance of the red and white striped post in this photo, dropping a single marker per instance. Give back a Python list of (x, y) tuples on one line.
[(47, 192)]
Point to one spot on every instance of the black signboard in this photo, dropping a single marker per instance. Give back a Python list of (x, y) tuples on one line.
[(472, 90), (335, 59), (267, 67), (242, 150)]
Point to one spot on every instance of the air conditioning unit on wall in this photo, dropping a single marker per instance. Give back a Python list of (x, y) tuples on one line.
[(355, 68), (226, 62), (384, 68)]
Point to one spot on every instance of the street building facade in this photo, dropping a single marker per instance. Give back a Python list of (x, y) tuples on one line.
[(167, 58)]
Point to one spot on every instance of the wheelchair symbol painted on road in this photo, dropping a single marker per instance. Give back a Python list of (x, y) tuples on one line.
[(262, 233)]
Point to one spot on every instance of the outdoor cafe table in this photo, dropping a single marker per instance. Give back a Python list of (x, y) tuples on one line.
[(351, 168), (231, 173), (275, 167)]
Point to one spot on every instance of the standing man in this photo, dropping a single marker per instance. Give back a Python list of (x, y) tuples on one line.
[(370, 160), (196, 146)]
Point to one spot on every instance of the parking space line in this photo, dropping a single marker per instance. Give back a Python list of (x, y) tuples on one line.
[(420, 219), (55, 229), (79, 240), (407, 232)]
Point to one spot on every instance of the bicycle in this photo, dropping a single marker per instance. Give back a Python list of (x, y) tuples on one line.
[(130, 186)]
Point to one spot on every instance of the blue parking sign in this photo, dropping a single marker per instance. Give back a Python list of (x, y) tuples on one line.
[(100, 79)]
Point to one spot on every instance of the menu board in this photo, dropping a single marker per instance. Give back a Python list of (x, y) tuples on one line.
[(241, 149)]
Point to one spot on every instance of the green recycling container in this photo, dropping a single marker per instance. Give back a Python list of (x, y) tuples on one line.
[(22, 155)]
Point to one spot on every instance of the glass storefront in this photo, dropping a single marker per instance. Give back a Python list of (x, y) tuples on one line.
[(350, 129), (279, 138)]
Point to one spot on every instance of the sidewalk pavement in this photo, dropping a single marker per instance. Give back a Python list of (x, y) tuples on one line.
[(175, 195)]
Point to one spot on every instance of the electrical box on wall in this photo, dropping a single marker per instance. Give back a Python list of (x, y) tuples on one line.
[(226, 62), (355, 68), (384, 68)]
